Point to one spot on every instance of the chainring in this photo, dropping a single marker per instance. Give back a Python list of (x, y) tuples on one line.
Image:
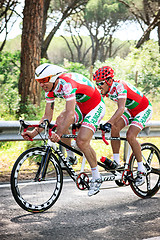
[(82, 181)]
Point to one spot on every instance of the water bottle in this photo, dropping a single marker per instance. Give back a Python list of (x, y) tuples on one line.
[(109, 163)]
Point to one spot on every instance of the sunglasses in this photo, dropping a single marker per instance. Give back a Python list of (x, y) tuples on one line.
[(44, 80), (100, 83)]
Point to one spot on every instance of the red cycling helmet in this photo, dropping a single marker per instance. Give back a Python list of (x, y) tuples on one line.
[(103, 73)]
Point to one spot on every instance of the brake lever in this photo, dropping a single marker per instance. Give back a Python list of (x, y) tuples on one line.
[(104, 139), (53, 127), (21, 126), (25, 126)]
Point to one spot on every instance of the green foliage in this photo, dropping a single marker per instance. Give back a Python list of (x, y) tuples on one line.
[(10, 99), (101, 10), (76, 67), (9, 73), (9, 67), (33, 112), (145, 62)]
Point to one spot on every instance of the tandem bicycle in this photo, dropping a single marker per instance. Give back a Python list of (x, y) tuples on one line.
[(37, 175)]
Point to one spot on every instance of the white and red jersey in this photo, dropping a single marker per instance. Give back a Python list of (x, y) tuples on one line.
[(76, 86), (135, 100)]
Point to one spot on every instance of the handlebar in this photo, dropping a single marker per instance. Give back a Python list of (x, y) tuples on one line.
[(48, 127), (103, 138)]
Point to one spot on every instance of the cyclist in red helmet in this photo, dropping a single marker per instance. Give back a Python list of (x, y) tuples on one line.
[(134, 109)]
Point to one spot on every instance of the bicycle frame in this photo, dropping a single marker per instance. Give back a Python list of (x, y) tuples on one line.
[(122, 174), (112, 175)]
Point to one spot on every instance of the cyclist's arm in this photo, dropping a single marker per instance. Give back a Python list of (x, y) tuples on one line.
[(119, 112), (47, 115)]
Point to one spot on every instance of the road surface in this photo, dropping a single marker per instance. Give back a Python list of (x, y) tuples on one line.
[(113, 214)]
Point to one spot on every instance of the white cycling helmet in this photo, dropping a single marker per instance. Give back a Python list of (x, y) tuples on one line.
[(48, 70)]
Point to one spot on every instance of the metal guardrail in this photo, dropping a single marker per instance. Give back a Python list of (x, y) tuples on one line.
[(9, 131)]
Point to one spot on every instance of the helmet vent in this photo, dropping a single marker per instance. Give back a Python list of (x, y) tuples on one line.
[(41, 71)]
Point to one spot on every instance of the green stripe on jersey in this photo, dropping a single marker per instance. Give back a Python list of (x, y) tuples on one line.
[(82, 98), (131, 104)]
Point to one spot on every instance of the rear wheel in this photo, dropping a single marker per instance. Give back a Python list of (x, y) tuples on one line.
[(151, 162), (32, 194)]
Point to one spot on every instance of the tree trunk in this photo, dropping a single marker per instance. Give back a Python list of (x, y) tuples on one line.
[(31, 50), (158, 32), (154, 23)]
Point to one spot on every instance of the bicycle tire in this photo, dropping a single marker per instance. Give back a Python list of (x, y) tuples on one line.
[(36, 196), (152, 183)]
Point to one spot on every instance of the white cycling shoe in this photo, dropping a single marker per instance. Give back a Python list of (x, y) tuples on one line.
[(94, 186), (140, 179)]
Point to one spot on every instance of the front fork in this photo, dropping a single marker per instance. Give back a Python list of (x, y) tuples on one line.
[(43, 165)]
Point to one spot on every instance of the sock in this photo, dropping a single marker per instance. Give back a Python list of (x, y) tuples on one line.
[(140, 166), (116, 158), (95, 173), (70, 153)]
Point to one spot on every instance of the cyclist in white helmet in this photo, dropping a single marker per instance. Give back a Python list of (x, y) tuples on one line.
[(84, 104)]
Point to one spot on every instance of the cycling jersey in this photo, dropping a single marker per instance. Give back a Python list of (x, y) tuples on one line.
[(138, 108), (76, 86), (135, 100)]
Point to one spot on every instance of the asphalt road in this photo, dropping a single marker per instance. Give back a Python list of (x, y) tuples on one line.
[(113, 214)]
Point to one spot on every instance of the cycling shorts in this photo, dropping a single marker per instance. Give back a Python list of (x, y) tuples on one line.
[(92, 119), (140, 119)]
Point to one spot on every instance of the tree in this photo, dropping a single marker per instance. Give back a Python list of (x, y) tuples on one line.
[(102, 19), (81, 47), (7, 10), (153, 24), (30, 51), (60, 9), (33, 46), (146, 13)]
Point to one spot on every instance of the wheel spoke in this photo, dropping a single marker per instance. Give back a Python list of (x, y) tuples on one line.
[(151, 161), (40, 194)]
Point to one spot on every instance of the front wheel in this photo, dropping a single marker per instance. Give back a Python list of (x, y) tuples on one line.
[(151, 162), (32, 194)]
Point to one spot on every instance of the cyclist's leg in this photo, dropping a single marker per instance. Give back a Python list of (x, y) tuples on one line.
[(115, 132), (60, 119), (138, 123), (88, 127), (132, 133), (83, 141)]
